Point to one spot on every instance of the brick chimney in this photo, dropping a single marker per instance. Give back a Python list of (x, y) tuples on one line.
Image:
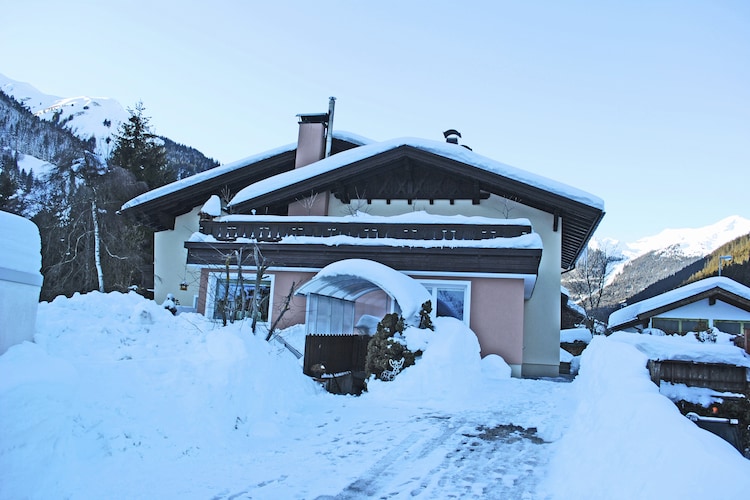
[(311, 147)]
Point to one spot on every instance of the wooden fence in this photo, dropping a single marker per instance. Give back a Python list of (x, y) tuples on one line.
[(716, 376)]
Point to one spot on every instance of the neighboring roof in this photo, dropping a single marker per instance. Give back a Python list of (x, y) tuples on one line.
[(581, 212), (718, 287), (352, 278), (159, 207)]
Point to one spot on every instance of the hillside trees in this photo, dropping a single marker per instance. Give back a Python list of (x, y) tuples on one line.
[(85, 244), (140, 151), (738, 268)]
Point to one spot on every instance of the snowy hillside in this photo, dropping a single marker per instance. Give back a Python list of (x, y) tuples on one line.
[(99, 117)]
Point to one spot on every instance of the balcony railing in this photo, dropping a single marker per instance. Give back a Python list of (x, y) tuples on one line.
[(265, 231)]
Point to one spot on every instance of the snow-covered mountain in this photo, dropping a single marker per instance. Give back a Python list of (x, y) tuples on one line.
[(649, 260), (689, 242), (85, 116), (635, 267)]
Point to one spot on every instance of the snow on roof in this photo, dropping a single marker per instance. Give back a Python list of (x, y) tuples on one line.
[(444, 149), (175, 186), (351, 137), (212, 206), (335, 280), (631, 312), (229, 167)]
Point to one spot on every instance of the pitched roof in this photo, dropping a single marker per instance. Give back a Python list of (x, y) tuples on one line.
[(717, 287), (159, 207), (581, 212)]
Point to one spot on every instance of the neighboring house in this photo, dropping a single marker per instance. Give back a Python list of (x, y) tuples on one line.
[(488, 241), (712, 302)]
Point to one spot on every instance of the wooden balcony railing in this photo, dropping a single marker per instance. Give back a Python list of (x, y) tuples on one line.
[(265, 231)]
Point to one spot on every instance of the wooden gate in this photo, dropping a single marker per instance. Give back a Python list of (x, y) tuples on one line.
[(336, 353)]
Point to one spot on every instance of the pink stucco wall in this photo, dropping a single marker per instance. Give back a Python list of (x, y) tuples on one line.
[(496, 313), (497, 317)]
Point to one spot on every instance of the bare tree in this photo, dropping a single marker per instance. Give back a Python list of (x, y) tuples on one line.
[(308, 202), (588, 280)]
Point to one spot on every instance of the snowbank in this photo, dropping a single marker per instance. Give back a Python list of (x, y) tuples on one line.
[(576, 335), (628, 441), (20, 280), (686, 348)]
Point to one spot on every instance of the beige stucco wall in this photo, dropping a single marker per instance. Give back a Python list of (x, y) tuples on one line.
[(170, 256)]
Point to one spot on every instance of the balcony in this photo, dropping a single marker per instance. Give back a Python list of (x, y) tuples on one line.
[(269, 231)]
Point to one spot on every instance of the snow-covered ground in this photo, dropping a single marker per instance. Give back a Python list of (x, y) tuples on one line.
[(117, 398)]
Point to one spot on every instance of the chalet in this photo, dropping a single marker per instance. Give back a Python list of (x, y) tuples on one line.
[(712, 302), (487, 241)]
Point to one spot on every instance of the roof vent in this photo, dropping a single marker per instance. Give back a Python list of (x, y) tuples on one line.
[(451, 137)]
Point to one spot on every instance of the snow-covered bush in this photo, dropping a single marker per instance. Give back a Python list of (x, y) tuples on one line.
[(387, 352)]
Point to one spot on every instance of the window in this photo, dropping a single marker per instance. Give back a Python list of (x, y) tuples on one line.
[(732, 327), (679, 325), (228, 300), (450, 298)]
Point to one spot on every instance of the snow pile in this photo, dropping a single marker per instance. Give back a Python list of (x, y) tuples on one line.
[(575, 335), (449, 367), (117, 377), (686, 348), (118, 398), (698, 395), (21, 248), (628, 441)]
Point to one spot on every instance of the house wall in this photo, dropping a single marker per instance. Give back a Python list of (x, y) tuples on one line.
[(170, 256), (541, 318), (497, 318), (703, 310)]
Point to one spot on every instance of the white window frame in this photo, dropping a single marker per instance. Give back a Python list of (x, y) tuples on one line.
[(432, 286), (248, 277)]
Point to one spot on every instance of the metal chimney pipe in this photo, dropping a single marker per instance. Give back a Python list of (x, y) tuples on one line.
[(329, 132)]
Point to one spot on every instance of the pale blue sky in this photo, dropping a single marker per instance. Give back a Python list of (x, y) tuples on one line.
[(645, 104)]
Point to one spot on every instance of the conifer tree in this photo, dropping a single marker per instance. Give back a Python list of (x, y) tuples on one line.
[(140, 151)]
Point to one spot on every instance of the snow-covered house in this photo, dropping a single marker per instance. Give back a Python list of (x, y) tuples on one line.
[(712, 302), (487, 241)]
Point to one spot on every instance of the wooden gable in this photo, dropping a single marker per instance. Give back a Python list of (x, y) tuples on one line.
[(409, 173)]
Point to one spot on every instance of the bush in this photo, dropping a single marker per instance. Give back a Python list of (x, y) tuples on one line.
[(386, 346)]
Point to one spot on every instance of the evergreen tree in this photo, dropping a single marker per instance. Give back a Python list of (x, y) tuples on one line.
[(9, 184), (140, 151)]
